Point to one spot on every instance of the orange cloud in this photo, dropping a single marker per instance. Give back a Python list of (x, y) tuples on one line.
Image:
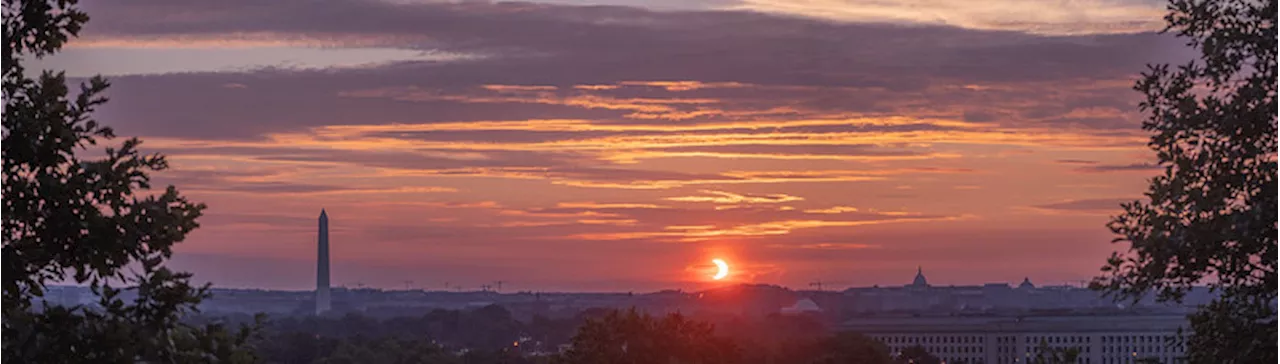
[(594, 205), (833, 210), (518, 88), (619, 222), (540, 213), (708, 232), (286, 188), (683, 85), (723, 197), (825, 246)]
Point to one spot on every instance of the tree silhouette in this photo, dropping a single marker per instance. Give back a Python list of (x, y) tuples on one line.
[(91, 221), (849, 347), (634, 338), (1046, 354), (388, 351), (917, 355), (1210, 218)]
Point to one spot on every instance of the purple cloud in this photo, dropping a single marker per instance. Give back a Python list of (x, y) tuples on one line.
[(1097, 204), (1108, 168)]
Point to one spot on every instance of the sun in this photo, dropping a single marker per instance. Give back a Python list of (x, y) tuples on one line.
[(722, 269)]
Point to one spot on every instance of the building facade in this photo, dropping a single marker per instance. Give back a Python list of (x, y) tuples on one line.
[(920, 296), (1100, 339)]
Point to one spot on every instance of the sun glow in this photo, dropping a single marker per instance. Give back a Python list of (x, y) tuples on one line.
[(722, 269)]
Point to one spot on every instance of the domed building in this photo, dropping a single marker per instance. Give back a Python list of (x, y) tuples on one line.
[(920, 281), (802, 306), (1026, 284)]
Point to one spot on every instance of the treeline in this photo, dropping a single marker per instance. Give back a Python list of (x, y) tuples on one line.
[(482, 335), (490, 335)]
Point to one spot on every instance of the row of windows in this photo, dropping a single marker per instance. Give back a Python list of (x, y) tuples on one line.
[(960, 360), (1117, 359), (1027, 339), (1059, 339), (1141, 349), (945, 349), (932, 340), (1084, 349), (1136, 339), (1007, 345), (1131, 360), (1013, 360)]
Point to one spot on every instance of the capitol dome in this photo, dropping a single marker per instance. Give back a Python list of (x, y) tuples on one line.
[(920, 281)]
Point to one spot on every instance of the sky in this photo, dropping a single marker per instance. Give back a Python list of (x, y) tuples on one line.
[(622, 145)]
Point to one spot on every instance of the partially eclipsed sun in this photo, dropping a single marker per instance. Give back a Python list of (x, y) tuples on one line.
[(722, 269)]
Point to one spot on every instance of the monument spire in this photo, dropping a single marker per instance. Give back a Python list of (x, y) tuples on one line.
[(322, 265)]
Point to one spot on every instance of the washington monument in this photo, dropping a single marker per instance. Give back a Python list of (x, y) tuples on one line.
[(322, 266)]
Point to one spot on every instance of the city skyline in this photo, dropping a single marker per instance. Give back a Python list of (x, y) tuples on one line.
[(623, 146), (322, 287)]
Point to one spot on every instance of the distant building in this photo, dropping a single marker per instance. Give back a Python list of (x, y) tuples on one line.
[(1026, 284), (803, 305), (920, 282), (1100, 339), (998, 324), (995, 298)]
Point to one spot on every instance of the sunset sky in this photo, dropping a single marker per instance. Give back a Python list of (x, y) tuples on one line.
[(621, 145)]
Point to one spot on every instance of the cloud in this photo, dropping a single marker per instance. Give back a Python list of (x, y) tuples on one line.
[(817, 175), (978, 116), (825, 246), (833, 210), (774, 151), (127, 58), (690, 222), (289, 188), (1035, 16), (723, 197), (1076, 161), (563, 167), (622, 66), (683, 85), (1110, 168), (261, 182), (1097, 205), (597, 205), (687, 233), (574, 133)]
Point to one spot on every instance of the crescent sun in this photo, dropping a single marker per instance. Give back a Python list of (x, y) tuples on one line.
[(722, 269)]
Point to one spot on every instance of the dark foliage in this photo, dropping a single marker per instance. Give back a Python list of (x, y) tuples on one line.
[(634, 337), (849, 348), (91, 221), (917, 355), (1210, 218), (490, 335), (1046, 354), (485, 335)]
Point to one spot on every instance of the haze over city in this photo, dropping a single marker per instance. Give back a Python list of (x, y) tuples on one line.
[(623, 145)]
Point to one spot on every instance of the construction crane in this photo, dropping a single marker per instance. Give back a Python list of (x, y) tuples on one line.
[(499, 284), (816, 284)]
